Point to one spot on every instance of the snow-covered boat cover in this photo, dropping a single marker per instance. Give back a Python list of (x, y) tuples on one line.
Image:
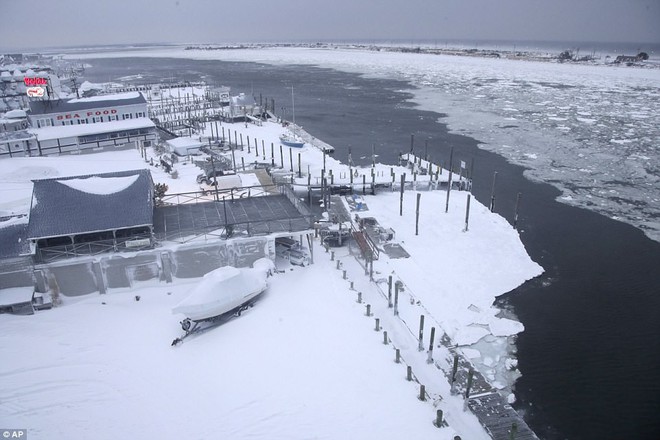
[(222, 290)]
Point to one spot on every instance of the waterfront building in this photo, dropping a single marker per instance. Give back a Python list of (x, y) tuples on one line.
[(104, 108)]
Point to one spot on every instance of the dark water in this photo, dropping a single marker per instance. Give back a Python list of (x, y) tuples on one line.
[(590, 353)]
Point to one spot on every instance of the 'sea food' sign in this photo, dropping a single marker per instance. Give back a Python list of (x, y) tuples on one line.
[(91, 113)]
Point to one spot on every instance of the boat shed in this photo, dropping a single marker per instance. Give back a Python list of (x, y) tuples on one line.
[(91, 214)]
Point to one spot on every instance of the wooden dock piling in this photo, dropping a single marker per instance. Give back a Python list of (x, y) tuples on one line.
[(403, 182), (389, 292), (430, 358), (419, 196), (492, 193), (515, 213), (467, 213), (421, 333)]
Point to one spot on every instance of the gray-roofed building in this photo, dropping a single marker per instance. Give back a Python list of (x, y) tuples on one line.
[(103, 108), (83, 215)]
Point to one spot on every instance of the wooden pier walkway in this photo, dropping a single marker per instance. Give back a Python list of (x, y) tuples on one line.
[(499, 418)]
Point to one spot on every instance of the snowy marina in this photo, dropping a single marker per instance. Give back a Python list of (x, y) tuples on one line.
[(490, 242), (342, 173)]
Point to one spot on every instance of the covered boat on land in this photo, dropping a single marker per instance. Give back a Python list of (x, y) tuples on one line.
[(221, 292)]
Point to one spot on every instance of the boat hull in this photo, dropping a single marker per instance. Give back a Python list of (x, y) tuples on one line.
[(291, 142)]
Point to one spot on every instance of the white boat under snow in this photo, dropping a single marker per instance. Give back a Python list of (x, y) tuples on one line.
[(224, 290)]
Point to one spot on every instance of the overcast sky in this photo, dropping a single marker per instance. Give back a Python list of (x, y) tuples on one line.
[(47, 23)]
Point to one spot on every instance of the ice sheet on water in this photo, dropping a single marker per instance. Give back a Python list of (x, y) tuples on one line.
[(599, 128)]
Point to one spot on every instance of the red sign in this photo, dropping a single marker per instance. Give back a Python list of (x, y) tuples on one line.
[(95, 113), (31, 82), (35, 92)]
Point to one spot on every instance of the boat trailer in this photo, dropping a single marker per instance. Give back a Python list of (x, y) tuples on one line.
[(200, 326)]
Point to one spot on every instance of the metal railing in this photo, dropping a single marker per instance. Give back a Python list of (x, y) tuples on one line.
[(240, 229), (53, 253), (216, 195)]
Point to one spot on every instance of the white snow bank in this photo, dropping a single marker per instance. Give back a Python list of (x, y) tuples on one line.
[(456, 275), (100, 185)]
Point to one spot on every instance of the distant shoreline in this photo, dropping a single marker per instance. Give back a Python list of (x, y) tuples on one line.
[(566, 56)]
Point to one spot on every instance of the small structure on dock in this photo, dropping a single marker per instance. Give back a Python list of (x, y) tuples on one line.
[(183, 146)]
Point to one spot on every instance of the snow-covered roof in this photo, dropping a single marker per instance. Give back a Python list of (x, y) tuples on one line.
[(67, 131), (242, 99), (103, 98), (185, 142), (91, 203), (101, 101), (16, 114)]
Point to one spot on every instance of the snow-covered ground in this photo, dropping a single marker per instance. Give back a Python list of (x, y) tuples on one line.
[(592, 131), (305, 362)]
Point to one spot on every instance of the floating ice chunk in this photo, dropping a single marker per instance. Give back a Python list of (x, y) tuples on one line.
[(471, 353), (499, 385), (505, 327), (586, 120), (470, 335)]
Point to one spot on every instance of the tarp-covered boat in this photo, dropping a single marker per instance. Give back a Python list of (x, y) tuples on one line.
[(224, 290)]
